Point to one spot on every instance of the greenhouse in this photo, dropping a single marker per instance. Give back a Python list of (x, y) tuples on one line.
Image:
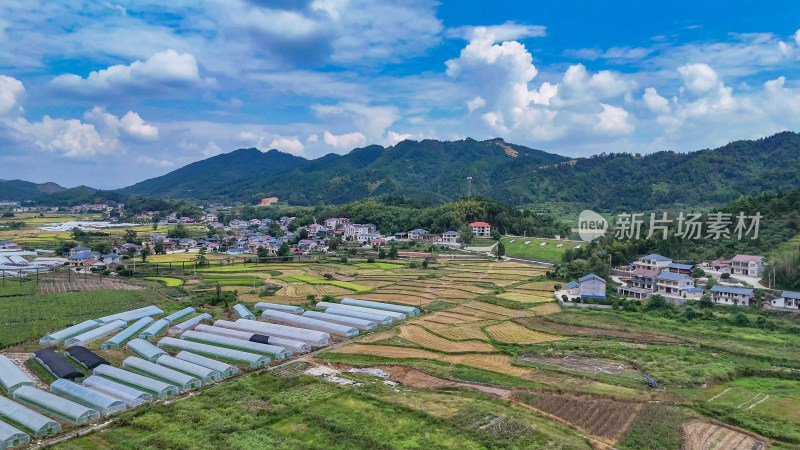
[(312, 324), (293, 345), (79, 393), (119, 339), (279, 307), (178, 315), (242, 312), (131, 396), (224, 369), (96, 333), (154, 329), (161, 373), (134, 314), (55, 338), (56, 365), (189, 324), (238, 344), (313, 337), (156, 388), (11, 376), (409, 310), (378, 318), (145, 349), (31, 421), (56, 406), (235, 356), (394, 315), (361, 324), (205, 374), (11, 437), (84, 357)]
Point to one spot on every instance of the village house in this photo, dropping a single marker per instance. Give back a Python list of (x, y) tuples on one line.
[(672, 284), (748, 265), (592, 286), (9, 245), (481, 229), (451, 237), (337, 223), (685, 269), (788, 299), (416, 235), (365, 238), (728, 295), (574, 288), (111, 258), (78, 249), (352, 231), (401, 236), (653, 261)]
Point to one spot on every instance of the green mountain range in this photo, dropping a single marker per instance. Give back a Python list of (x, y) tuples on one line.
[(437, 171)]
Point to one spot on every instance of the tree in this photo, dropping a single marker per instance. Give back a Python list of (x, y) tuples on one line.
[(201, 259), (131, 236), (144, 254), (467, 236), (262, 252), (284, 250), (656, 302), (381, 253), (706, 302), (725, 276), (303, 234), (155, 226), (159, 248), (500, 251), (393, 252), (697, 272), (495, 235), (179, 232)]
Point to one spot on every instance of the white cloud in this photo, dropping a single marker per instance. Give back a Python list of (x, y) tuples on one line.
[(211, 149), (347, 141), (164, 68), (154, 162), (698, 78), (506, 32), (71, 137), (287, 144), (370, 121), (11, 93), (312, 139), (613, 121), (796, 37), (132, 124), (393, 138), (476, 103), (655, 102)]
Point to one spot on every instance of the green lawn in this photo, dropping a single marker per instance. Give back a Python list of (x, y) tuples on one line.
[(533, 250), (26, 319)]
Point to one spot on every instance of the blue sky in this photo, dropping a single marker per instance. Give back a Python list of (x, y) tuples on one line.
[(107, 93)]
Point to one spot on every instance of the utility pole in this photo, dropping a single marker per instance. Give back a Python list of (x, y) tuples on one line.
[(469, 186)]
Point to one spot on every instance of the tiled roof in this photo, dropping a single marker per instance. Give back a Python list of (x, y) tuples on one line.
[(791, 294), (732, 290), (747, 258), (589, 277), (671, 276), (656, 257)]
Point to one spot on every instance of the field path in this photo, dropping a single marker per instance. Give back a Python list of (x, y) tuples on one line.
[(718, 395), (756, 403), (19, 359)]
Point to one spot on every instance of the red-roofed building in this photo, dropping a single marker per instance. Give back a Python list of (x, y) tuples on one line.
[(481, 229)]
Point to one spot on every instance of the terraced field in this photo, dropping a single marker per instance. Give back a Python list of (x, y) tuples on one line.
[(512, 333)]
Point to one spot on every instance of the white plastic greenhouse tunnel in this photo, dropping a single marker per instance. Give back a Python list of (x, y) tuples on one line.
[(253, 360), (410, 310), (120, 338), (11, 376), (224, 369), (312, 324), (361, 324), (178, 315), (189, 324), (279, 307), (131, 396), (312, 337), (205, 374), (242, 312), (96, 333), (145, 349), (54, 405), (60, 336), (134, 314), (153, 387), (291, 344), (79, 393), (394, 315), (236, 344), (11, 437), (377, 318), (161, 373), (154, 329), (32, 422)]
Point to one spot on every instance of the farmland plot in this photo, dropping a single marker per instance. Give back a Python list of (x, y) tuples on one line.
[(545, 309), (429, 340), (536, 297), (386, 351), (512, 333), (501, 310), (463, 310), (459, 332), (495, 363), (543, 286), (396, 298), (699, 434), (603, 418)]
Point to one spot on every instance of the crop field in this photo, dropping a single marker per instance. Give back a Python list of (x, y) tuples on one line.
[(457, 332), (302, 290), (387, 351), (597, 416), (527, 298), (380, 265), (168, 281), (232, 280), (499, 310), (512, 333), (541, 286), (398, 298), (516, 246), (771, 397), (429, 340), (311, 280), (545, 309), (492, 362), (702, 434)]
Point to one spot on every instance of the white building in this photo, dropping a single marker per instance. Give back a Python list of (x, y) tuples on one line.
[(727, 295), (592, 286), (481, 229), (788, 299)]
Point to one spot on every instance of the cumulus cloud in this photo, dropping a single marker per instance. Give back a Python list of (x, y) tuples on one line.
[(655, 102), (698, 78), (11, 93), (393, 138), (371, 121), (347, 141), (162, 69), (508, 31), (287, 144), (476, 103), (613, 121), (71, 137)]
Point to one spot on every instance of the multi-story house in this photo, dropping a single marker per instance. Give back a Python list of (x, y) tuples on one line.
[(788, 299), (671, 284), (728, 295), (416, 235), (653, 261), (748, 265), (481, 229), (592, 286), (451, 237)]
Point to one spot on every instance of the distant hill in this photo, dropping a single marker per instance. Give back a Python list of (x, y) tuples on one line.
[(19, 191), (436, 171), (212, 178)]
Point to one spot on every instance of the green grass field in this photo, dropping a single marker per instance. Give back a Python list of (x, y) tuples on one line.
[(168, 281), (14, 287), (225, 280), (380, 265), (29, 318), (342, 284), (533, 250)]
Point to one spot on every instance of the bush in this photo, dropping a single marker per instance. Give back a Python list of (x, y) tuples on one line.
[(371, 259), (311, 297), (556, 287), (564, 297), (328, 298), (343, 259), (328, 276)]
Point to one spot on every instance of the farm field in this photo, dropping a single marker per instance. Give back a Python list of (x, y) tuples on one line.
[(547, 252), (168, 281)]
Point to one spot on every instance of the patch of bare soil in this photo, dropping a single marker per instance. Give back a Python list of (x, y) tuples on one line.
[(702, 435)]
